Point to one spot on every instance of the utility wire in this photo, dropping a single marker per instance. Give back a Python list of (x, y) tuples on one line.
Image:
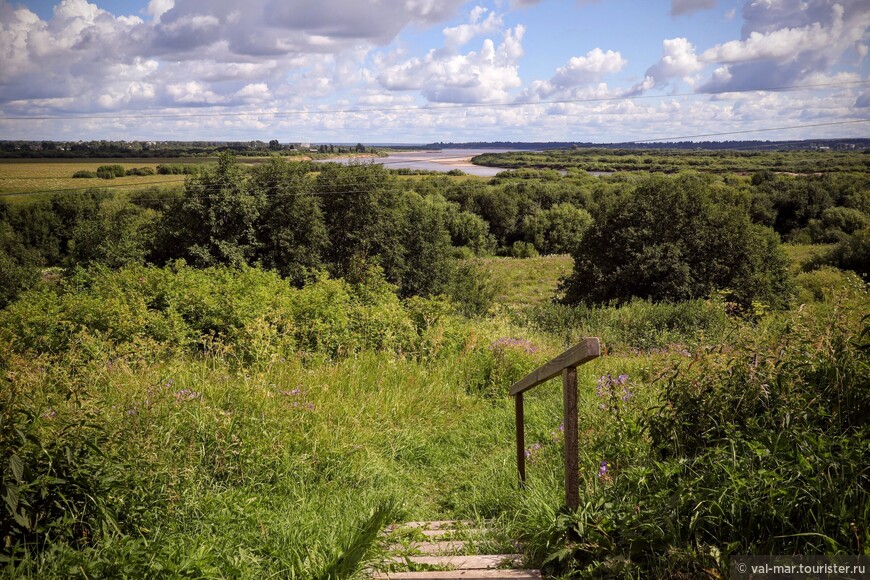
[(286, 113), (659, 139)]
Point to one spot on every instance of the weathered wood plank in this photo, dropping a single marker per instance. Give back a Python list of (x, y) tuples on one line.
[(462, 575), (572, 437), (436, 524), (449, 547), (480, 562), (441, 532), (521, 438), (582, 352)]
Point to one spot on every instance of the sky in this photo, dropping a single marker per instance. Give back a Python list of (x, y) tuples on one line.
[(420, 71)]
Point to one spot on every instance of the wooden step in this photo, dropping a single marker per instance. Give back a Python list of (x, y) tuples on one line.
[(480, 562), (462, 575), (436, 525), (441, 532), (447, 547)]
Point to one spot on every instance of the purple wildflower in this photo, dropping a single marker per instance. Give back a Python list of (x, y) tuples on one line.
[(50, 414), (604, 469), (186, 395)]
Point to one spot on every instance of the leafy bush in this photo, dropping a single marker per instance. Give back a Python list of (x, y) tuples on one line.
[(557, 230), (677, 239), (141, 171), (83, 174), (110, 171), (523, 250), (249, 313), (851, 253)]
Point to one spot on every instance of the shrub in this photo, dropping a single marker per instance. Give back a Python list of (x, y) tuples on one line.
[(84, 174), (523, 250), (141, 171), (110, 171), (851, 253), (677, 239)]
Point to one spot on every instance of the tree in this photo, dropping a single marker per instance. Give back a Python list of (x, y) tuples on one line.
[(677, 239), (216, 220), (362, 209), (292, 233), (557, 230)]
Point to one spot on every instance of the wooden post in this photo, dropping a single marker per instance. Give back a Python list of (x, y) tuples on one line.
[(521, 439), (572, 445)]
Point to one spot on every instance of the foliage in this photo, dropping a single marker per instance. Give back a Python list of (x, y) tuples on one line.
[(676, 239), (557, 230), (292, 232), (851, 253), (110, 171), (215, 222), (84, 174)]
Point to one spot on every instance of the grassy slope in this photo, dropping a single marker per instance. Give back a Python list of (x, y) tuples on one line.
[(257, 478), (526, 282)]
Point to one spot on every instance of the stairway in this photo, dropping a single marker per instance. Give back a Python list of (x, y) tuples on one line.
[(448, 550)]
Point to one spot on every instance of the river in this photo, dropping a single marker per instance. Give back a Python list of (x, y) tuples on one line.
[(440, 160)]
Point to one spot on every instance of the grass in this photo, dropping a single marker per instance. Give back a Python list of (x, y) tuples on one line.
[(26, 177), (287, 465), (527, 281)]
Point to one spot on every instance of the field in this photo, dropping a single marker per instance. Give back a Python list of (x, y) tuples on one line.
[(528, 282), (242, 384)]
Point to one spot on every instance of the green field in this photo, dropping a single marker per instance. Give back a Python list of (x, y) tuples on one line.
[(254, 377)]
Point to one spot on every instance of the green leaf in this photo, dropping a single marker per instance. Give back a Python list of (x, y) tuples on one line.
[(17, 467), (12, 496)]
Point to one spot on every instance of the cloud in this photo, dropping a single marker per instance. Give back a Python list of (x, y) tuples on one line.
[(679, 7), (458, 36), (579, 71), (678, 61), (784, 42), (482, 76)]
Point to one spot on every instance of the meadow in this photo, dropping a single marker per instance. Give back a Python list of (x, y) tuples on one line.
[(208, 413)]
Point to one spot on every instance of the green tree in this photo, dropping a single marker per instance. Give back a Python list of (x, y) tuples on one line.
[(677, 239), (363, 213), (216, 220), (292, 232), (557, 230)]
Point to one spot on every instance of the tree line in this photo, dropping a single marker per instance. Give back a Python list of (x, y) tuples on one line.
[(631, 235)]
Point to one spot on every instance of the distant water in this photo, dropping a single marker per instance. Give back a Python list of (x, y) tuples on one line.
[(442, 160)]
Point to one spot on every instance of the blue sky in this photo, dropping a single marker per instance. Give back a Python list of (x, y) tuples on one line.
[(433, 70)]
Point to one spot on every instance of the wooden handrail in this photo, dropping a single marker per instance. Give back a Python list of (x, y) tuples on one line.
[(565, 364)]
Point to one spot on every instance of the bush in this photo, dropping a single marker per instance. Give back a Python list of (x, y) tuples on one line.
[(84, 174), (249, 313), (110, 171), (523, 250), (677, 239), (141, 171), (851, 253)]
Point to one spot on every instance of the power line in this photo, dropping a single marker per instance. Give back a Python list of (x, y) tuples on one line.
[(373, 162), (440, 107), (829, 124)]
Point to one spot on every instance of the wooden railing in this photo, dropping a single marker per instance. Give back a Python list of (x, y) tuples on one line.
[(566, 364)]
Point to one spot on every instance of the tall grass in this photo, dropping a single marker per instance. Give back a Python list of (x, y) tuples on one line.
[(163, 422)]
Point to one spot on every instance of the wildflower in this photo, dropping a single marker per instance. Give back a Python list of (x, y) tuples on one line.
[(604, 469), (532, 450), (186, 395), (50, 414)]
